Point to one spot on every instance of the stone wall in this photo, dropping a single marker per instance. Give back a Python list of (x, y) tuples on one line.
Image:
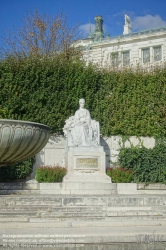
[(53, 153)]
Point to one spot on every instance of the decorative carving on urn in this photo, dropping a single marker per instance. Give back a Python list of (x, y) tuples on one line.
[(20, 140)]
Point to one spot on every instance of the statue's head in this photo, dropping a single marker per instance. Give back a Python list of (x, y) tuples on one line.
[(81, 102)]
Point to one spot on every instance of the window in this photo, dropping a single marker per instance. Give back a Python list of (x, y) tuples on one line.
[(146, 55), (126, 58), (157, 53), (115, 59)]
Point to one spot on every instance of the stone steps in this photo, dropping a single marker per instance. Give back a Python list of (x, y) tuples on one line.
[(110, 220), (52, 207), (84, 210), (82, 200), (79, 192), (94, 223), (85, 214), (120, 219), (106, 213), (80, 223), (19, 186), (86, 222), (73, 215), (43, 208), (80, 188), (116, 234), (122, 238), (19, 192)]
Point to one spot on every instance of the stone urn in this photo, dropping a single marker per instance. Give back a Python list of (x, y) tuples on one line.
[(20, 140)]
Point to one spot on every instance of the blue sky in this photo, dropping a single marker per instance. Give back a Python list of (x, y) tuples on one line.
[(144, 14)]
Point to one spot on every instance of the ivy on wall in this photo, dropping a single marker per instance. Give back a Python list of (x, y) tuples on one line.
[(147, 165)]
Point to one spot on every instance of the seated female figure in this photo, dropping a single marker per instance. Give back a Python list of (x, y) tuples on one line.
[(82, 131)]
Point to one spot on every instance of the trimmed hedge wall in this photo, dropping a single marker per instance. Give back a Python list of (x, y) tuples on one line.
[(47, 90)]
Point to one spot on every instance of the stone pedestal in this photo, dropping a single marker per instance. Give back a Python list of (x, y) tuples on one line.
[(86, 164), (127, 29)]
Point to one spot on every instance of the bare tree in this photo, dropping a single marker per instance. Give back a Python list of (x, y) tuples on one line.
[(42, 34)]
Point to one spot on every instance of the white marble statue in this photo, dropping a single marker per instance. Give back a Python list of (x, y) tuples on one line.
[(80, 129), (127, 20), (127, 26)]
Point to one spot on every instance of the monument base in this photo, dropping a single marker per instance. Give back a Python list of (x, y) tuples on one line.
[(86, 164)]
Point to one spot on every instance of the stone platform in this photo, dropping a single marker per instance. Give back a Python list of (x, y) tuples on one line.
[(87, 221)]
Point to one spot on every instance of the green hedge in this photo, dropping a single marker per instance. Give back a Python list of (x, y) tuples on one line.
[(47, 90), (148, 165), (50, 174)]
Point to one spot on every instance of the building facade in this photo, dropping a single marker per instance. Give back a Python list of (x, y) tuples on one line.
[(145, 48)]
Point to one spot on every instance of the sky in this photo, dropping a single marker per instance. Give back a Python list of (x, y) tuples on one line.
[(144, 14)]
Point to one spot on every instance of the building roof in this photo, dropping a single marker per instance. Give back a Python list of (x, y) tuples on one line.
[(107, 39)]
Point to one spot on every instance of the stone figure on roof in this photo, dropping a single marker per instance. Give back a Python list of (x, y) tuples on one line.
[(127, 26), (127, 20)]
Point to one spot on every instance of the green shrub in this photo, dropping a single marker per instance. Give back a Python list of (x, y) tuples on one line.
[(50, 174), (120, 175), (17, 171), (148, 165)]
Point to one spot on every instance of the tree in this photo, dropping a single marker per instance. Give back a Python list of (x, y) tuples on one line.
[(43, 35)]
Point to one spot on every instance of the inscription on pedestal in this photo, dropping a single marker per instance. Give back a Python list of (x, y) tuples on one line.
[(86, 162)]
